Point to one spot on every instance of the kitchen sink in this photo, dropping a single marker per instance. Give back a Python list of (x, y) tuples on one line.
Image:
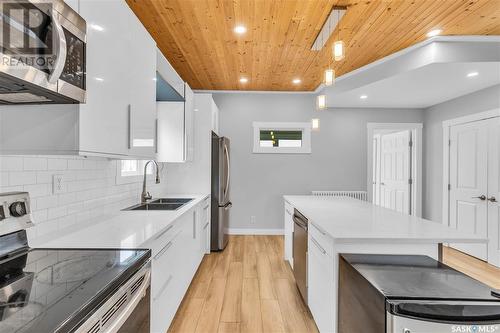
[(171, 200), (157, 206)]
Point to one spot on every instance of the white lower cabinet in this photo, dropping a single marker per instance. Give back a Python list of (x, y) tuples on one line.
[(320, 281), (177, 252)]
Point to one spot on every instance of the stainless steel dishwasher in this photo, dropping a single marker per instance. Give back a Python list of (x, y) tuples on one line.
[(300, 252)]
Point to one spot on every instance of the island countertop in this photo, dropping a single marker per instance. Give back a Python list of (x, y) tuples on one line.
[(350, 220)]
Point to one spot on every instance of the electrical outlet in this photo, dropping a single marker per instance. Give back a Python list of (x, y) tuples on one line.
[(252, 219), (57, 184)]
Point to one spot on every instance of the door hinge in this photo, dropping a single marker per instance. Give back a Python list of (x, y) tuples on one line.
[(410, 181), (449, 187)]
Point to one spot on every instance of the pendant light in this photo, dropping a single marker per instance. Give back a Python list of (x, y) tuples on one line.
[(321, 102), (338, 47)]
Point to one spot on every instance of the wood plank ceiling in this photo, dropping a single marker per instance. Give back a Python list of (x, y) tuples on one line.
[(197, 36)]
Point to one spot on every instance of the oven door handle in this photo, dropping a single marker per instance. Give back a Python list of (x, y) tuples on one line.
[(60, 48), (123, 316)]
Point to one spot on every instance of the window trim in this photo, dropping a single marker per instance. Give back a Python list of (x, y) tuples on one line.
[(305, 127), (120, 179)]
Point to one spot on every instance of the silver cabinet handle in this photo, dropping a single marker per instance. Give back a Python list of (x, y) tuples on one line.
[(164, 231), (481, 197), (194, 225), (61, 49), (129, 124), (317, 245), (493, 199), (156, 136), (163, 250), (163, 287)]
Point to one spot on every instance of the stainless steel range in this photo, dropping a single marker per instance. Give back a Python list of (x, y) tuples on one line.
[(68, 290)]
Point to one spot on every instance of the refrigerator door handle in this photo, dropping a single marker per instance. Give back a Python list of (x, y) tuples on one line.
[(226, 188)]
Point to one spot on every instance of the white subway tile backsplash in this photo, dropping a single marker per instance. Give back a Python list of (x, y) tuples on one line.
[(11, 163), (57, 164), (22, 178), (35, 163), (90, 189)]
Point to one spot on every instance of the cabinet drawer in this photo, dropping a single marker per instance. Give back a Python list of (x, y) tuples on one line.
[(162, 238), (323, 241)]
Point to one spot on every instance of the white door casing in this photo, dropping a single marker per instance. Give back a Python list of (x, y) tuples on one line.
[(469, 183), (494, 192), (395, 171)]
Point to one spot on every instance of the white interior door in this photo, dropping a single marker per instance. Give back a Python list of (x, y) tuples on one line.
[(395, 171), (494, 192), (469, 184), (376, 170)]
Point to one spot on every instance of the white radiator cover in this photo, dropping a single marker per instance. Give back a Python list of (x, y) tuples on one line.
[(360, 195)]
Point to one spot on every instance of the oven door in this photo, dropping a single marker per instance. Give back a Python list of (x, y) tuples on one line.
[(42, 53)]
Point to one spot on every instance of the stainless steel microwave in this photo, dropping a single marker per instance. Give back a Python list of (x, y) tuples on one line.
[(42, 53)]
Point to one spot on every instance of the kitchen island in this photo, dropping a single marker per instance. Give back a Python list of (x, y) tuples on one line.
[(345, 225)]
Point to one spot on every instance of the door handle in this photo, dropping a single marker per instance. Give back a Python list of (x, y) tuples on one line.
[(492, 199), (61, 49), (481, 197)]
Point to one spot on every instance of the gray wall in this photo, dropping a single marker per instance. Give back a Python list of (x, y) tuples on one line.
[(434, 116), (337, 161)]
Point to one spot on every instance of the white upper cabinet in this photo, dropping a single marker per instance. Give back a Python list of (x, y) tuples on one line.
[(119, 116), (189, 122), (168, 73)]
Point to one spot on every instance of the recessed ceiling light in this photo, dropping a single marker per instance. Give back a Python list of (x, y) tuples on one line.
[(96, 27), (99, 79), (296, 81), (363, 97), (243, 80), (434, 32), (240, 29), (472, 74)]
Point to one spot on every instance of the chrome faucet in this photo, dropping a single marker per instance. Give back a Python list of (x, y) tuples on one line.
[(145, 195)]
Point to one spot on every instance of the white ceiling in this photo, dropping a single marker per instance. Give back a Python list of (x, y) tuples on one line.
[(420, 76), (420, 88)]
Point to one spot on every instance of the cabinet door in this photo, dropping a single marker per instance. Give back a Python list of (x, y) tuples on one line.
[(189, 123), (320, 281), (215, 117), (103, 118), (206, 226), (142, 89), (170, 132)]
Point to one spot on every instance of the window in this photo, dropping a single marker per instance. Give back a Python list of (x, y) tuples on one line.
[(130, 171), (291, 138)]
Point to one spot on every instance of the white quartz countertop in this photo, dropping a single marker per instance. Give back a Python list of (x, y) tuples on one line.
[(351, 220), (126, 229)]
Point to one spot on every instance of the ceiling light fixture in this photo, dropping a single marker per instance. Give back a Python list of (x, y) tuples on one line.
[(315, 123), (434, 32), (99, 79), (338, 46), (363, 97), (240, 29), (321, 102), (472, 74), (243, 80), (296, 81), (329, 77)]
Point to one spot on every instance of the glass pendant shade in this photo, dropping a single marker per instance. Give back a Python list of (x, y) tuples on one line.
[(338, 50), (321, 102), (329, 77)]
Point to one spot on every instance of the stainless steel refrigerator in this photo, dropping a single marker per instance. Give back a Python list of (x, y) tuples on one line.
[(221, 203)]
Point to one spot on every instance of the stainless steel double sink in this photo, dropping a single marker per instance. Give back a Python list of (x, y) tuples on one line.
[(162, 204)]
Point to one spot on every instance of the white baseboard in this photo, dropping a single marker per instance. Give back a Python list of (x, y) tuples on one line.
[(245, 231)]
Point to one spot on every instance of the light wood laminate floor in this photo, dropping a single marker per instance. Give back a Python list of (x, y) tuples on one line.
[(249, 288)]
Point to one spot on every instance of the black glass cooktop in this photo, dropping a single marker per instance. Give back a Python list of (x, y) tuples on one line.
[(50, 290), (417, 277)]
